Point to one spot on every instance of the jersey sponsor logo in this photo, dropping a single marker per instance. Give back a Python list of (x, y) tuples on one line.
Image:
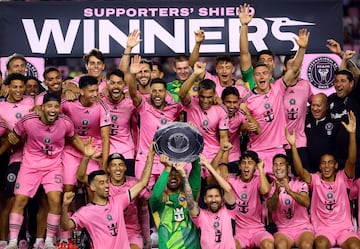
[(321, 71), (243, 203), (293, 112), (179, 214), (113, 229)]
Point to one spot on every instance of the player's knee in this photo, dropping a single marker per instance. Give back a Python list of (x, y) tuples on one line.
[(322, 242), (19, 203), (354, 243), (306, 244), (267, 244), (281, 244)]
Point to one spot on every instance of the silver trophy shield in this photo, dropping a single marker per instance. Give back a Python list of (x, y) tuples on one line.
[(179, 141)]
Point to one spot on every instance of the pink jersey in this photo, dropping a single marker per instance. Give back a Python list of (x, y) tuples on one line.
[(243, 91), (131, 212), (152, 119), (105, 224), (12, 113), (44, 143), (208, 122), (121, 140), (268, 110), (295, 102), (290, 214), (87, 121), (234, 135), (248, 205), (330, 205), (216, 228)]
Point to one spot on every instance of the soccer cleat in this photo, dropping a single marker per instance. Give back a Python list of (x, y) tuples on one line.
[(40, 245), (49, 245), (11, 246)]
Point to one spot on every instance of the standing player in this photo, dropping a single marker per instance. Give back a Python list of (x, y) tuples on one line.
[(288, 202), (91, 119), (41, 164), (215, 221), (104, 217), (248, 189), (121, 110), (12, 109), (238, 122), (154, 112), (330, 206), (210, 119)]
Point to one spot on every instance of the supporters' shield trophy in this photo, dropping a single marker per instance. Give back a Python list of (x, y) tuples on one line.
[(179, 141)]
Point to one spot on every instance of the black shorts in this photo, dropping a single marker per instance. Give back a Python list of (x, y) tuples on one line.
[(130, 167), (4, 162), (11, 174)]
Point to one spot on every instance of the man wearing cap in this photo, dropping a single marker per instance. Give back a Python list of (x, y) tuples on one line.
[(136, 215), (109, 232), (46, 133)]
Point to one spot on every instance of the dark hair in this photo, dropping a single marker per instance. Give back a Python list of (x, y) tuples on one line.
[(265, 51), (14, 76), (281, 156), (180, 58), (13, 57), (260, 64), (158, 81), (96, 53), (51, 97), (95, 173), (230, 90), (116, 72), (115, 156), (207, 85), (158, 64), (87, 80), (347, 73), (224, 57), (288, 57), (50, 69), (250, 154), (146, 61), (214, 186), (30, 77)]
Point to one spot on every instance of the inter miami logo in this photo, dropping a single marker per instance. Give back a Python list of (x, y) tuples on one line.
[(321, 71), (47, 140), (18, 115), (269, 114), (292, 113), (243, 203), (330, 201), (163, 121), (114, 118), (31, 70), (82, 130), (329, 128), (47, 149), (85, 122)]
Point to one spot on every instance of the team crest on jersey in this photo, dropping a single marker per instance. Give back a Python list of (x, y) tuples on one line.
[(329, 127), (321, 71), (216, 224), (292, 101), (114, 118), (205, 122), (330, 201), (85, 122), (243, 196), (179, 214), (287, 202), (109, 217), (163, 121), (17, 185), (18, 115), (47, 140), (267, 106), (11, 177)]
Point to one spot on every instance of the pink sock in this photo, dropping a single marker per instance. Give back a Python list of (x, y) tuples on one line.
[(15, 222), (65, 235), (53, 222)]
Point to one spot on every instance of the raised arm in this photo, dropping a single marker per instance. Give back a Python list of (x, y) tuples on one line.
[(351, 159), (145, 176), (132, 41), (199, 68), (66, 223), (252, 125), (293, 71), (195, 54), (302, 173), (135, 67), (229, 196), (301, 198), (245, 16), (226, 146), (348, 64), (264, 183), (89, 151), (105, 138), (273, 201)]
